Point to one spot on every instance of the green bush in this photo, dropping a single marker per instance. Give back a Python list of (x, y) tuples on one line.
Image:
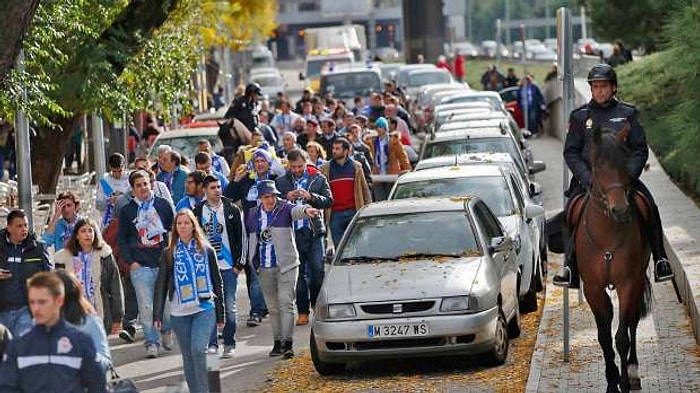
[(666, 88)]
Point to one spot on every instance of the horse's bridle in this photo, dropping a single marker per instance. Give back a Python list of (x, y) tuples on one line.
[(599, 196)]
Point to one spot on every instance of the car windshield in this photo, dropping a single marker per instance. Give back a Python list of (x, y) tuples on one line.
[(475, 98), (428, 78), (186, 145), (492, 189), (471, 145), (313, 67), (349, 85), (391, 237)]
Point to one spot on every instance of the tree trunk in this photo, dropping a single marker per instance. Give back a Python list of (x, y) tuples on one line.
[(48, 148), (15, 16)]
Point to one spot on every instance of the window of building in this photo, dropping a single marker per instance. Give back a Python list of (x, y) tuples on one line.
[(308, 6)]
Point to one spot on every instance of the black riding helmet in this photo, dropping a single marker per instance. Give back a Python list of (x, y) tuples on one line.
[(602, 72), (253, 88)]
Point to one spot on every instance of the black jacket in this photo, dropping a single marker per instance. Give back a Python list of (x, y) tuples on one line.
[(234, 228), (245, 111), (34, 259), (577, 147), (165, 285), (129, 241), (320, 190)]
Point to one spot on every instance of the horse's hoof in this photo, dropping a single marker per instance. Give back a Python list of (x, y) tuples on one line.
[(635, 384)]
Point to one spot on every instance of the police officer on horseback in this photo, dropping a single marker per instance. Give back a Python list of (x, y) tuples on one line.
[(245, 107), (605, 111)]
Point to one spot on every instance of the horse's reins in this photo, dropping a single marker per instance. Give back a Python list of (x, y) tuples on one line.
[(607, 255)]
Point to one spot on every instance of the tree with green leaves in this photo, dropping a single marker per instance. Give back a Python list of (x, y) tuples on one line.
[(637, 23), (112, 57)]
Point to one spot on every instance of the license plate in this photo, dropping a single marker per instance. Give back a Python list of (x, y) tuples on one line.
[(398, 330)]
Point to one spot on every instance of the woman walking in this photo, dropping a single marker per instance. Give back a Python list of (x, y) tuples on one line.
[(195, 294), (91, 260)]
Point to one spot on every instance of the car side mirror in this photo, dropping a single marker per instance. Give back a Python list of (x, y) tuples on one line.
[(500, 243), (537, 167), (301, 76), (535, 189), (532, 211)]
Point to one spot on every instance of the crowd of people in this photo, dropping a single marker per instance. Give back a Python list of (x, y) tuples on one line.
[(174, 235)]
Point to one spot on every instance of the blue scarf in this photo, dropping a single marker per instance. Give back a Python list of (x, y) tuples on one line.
[(192, 275), (82, 266), (253, 192), (108, 191), (68, 230), (301, 184), (381, 156), (148, 223)]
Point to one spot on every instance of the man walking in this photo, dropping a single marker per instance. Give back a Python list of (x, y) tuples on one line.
[(172, 174), (270, 231), (301, 185), (222, 222), (143, 226), (110, 187), (53, 356), (21, 255), (194, 191), (348, 187)]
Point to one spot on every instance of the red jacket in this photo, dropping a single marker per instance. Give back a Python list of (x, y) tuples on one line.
[(459, 66)]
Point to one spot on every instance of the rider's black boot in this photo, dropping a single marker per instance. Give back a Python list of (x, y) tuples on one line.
[(662, 268), (568, 276)]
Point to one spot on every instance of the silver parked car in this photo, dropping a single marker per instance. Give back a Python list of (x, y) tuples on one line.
[(400, 287), (508, 200)]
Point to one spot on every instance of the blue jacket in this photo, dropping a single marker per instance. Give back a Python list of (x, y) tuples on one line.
[(130, 246), (55, 239), (60, 359), (177, 186)]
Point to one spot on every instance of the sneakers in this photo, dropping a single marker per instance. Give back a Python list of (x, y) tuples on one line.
[(127, 334), (276, 349), (662, 270), (212, 350), (287, 350), (152, 351), (303, 319), (228, 352), (254, 320), (167, 340)]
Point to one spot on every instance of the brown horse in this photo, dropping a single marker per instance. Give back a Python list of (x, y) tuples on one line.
[(613, 251)]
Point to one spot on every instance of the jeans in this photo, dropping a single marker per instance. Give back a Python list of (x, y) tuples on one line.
[(131, 306), (279, 295), (255, 294), (144, 281), (339, 222), (230, 279), (311, 249), (191, 332), (18, 321)]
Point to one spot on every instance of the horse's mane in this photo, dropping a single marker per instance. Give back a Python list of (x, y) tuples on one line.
[(609, 150)]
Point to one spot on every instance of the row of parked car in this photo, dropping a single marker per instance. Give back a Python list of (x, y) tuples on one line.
[(536, 50), (449, 262)]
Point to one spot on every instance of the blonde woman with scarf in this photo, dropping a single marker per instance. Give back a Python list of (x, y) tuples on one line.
[(90, 259), (189, 279)]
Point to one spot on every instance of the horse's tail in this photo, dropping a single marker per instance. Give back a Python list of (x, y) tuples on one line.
[(645, 303)]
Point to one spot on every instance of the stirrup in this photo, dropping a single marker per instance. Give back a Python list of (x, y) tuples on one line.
[(662, 277), (563, 278)]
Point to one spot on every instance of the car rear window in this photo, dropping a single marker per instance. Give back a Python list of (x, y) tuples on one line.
[(428, 78), (394, 236), (186, 145), (492, 189)]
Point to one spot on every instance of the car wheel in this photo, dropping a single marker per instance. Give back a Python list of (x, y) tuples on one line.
[(514, 325), (539, 277), (322, 367), (498, 353), (528, 303)]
